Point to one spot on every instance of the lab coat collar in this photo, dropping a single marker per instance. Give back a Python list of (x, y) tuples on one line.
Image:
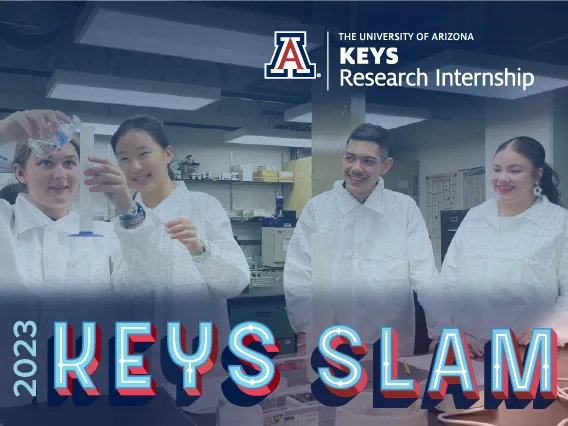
[(28, 216), (167, 203), (540, 213), (348, 202)]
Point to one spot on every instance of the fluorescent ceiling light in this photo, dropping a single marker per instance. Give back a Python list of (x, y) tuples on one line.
[(103, 129), (270, 137), (387, 116), (547, 77), (192, 31), (101, 88), (103, 125)]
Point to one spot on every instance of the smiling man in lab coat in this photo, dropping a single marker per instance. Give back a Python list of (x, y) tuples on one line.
[(380, 249)]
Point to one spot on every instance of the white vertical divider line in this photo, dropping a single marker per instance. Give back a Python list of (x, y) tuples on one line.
[(85, 203), (327, 56)]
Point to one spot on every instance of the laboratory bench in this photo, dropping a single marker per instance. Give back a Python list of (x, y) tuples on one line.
[(161, 410), (274, 288), (266, 305), (550, 416)]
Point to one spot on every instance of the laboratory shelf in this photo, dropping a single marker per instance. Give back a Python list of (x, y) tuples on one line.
[(254, 219), (237, 182)]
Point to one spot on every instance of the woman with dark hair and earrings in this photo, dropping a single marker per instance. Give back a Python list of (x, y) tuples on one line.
[(507, 265)]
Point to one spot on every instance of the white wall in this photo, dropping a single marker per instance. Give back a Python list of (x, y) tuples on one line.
[(560, 137), (442, 146), (531, 116)]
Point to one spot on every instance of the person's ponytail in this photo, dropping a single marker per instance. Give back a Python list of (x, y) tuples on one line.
[(549, 184)]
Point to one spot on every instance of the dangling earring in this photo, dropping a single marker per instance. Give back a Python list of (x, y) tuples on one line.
[(537, 191)]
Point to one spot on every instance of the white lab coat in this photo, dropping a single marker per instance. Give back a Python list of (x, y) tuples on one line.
[(197, 288), (381, 252), (47, 276), (509, 272)]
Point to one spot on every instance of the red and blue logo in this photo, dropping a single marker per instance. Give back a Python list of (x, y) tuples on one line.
[(290, 59)]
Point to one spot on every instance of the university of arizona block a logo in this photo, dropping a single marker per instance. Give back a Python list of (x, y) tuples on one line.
[(290, 59)]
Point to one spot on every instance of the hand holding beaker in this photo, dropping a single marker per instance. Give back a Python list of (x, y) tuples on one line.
[(111, 181)]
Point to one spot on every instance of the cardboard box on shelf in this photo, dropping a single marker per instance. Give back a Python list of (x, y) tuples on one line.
[(301, 191), (266, 176), (266, 173), (272, 168), (245, 176), (247, 168)]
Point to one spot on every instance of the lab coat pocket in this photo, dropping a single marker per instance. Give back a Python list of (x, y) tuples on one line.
[(536, 272), (476, 276), (498, 291), (397, 286), (385, 296), (536, 285)]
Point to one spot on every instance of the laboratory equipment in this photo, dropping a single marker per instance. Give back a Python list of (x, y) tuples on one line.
[(188, 166), (292, 403), (275, 243), (301, 408), (85, 197), (277, 231), (287, 405), (279, 205), (263, 277), (5, 165), (243, 172), (232, 415), (359, 411), (43, 148), (449, 222), (269, 310)]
